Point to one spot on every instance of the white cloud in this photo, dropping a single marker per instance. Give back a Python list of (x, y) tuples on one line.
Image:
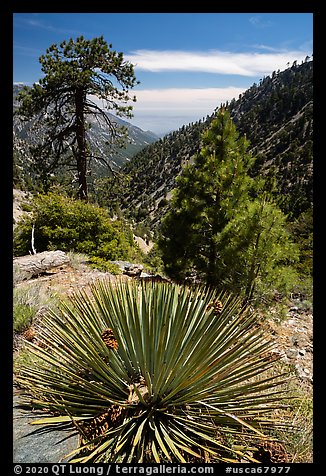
[(162, 110), (27, 51), (175, 100), (259, 23), (266, 47), (214, 61), (37, 24)]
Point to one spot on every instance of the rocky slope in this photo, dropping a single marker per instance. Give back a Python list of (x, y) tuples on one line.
[(20, 204), (294, 337)]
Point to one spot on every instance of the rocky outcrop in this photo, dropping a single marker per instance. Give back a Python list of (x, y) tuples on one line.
[(130, 269), (144, 244)]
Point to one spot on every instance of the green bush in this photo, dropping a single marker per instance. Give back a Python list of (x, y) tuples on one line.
[(72, 225), (302, 233), (26, 207), (23, 316), (24, 308), (27, 300), (103, 265), (153, 260)]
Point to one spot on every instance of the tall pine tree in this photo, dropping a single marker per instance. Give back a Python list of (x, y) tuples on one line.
[(76, 75), (219, 225)]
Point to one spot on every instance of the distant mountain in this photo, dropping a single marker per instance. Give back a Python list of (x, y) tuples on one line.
[(277, 117), (137, 140), (98, 135)]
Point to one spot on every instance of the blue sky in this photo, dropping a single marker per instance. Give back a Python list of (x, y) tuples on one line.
[(187, 63)]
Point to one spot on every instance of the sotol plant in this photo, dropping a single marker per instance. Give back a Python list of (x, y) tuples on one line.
[(154, 372)]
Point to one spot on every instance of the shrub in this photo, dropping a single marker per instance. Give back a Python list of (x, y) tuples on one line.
[(26, 207), (24, 309), (154, 373), (23, 315), (72, 225), (106, 266), (27, 300), (153, 260)]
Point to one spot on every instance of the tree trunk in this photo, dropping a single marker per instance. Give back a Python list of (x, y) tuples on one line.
[(81, 155), (211, 275), (34, 265), (253, 272)]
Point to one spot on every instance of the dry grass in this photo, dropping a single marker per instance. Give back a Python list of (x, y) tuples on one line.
[(296, 436), (299, 439)]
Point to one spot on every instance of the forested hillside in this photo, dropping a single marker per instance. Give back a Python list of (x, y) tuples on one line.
[(276, 117)]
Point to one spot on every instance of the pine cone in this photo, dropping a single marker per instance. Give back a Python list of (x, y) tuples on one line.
[(217, 307), (271, 452), (109, 339), (29, 334), (97, 426)]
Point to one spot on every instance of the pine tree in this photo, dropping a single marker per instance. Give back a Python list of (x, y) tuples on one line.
[(222, 228), (258, 252), (208, 193), (76, 72)]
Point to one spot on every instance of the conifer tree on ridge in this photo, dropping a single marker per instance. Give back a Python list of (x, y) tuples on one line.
[(75, 74)]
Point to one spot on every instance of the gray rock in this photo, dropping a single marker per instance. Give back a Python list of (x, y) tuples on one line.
[(298, 340), (145, 275), (304, 373), (291, 353), (31, 444), (130, 269), (133, 270)]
